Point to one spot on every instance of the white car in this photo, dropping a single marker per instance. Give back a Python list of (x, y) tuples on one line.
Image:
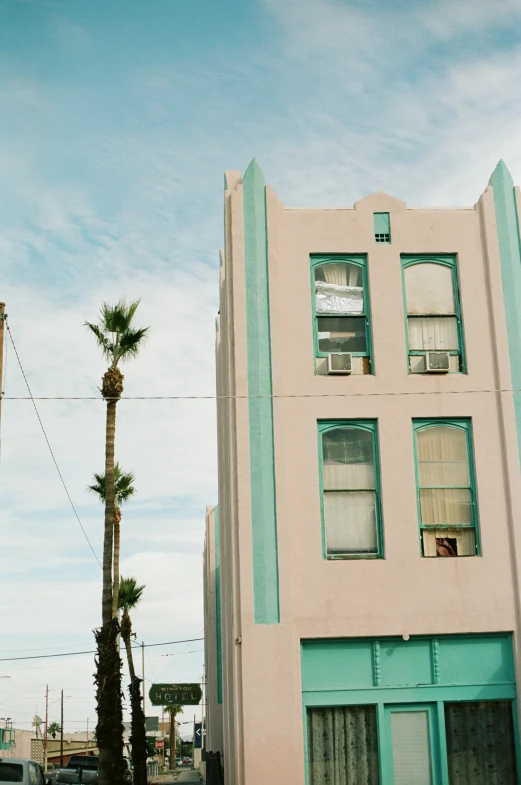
[(22, 771)]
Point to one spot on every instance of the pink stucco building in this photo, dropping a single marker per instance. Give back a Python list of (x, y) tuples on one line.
[(362, 567)]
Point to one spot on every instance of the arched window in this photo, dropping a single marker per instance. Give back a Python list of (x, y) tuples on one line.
[(350, 498), (445, 490), (340, 300), (433, 312)]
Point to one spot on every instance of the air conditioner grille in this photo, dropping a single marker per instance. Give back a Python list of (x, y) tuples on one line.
[(339, 363), (437, 361)]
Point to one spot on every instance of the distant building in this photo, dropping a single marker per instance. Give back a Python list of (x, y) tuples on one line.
[(363, 566), (15, 743)]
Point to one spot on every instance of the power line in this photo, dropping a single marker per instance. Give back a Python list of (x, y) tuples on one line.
[(49, 444), (75, 653), (344, 394)]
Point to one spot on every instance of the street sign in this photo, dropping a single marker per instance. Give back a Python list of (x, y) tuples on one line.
[(198, 737), (151, 723), (170, 694), (160, 744)]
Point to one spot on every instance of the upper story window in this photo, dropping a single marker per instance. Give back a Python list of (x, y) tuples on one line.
[(434, 330), (341, 314), (350, 489), (446, 492), (382, 227)]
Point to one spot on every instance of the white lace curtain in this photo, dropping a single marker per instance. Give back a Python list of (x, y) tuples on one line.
[(443, 461), (480, 743), (343, 746), (349, 495), (429, 289), (433, 333)]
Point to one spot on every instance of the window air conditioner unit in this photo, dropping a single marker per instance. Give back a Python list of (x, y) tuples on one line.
[(339, 363), (437, 362)]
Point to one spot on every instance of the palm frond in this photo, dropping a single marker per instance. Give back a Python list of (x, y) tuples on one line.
[(129, 594), (118, 318), (114, 332), (130, 343), (174, 708), (104, 343), (123, 485), (98, 487)]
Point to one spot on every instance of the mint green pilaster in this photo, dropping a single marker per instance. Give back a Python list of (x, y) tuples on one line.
[(262, 460), (510, 257)]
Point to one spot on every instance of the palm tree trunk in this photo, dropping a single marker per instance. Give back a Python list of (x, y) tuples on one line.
[(108, 539), (172, 741), (117, 541), (138, 729), (109, 729)]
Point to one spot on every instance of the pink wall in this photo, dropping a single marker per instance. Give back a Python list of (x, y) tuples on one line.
[(403, 593)]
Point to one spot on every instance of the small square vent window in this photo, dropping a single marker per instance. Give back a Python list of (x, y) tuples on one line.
[(382, 227)]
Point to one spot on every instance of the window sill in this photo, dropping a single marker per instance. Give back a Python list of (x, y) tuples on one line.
[(351, 556)]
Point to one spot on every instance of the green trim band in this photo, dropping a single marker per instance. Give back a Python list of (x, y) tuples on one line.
[(510, 257), (262, 454)]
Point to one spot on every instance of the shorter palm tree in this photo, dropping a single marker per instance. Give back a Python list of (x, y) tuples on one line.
[(53, 729), (123, 490), (173, 710), (129, 596)]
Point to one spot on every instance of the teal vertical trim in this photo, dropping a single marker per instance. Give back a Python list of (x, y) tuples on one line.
[(218, 632), (510, 257), (262, 458)]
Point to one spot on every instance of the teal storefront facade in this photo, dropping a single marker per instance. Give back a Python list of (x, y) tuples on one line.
[(410, 711)]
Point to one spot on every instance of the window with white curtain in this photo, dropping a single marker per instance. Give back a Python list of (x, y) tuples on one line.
[(350, 496), (446, 494), (433, 311), (340, 306)]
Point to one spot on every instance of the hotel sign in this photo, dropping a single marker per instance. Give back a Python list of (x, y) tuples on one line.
[(170, 694)]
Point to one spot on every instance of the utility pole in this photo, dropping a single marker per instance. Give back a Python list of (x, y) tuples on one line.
[(61, 736), (87, 735), (45, 743)]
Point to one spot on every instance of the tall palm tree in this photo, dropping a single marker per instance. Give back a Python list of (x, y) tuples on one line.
[(173, 710), (119, 340), (129, 596), (123, 490)]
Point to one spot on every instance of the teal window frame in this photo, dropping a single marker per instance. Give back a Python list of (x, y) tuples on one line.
[(465, 425), (360, 260), (447, 260), (382, 228), (370, 426)]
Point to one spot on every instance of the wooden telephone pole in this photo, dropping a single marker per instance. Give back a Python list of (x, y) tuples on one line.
[(61, 736), (46, 740)]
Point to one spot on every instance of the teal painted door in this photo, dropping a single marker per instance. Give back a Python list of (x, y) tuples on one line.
[(412, 754)]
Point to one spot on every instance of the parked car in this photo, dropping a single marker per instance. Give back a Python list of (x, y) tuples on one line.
[(84, 769), (79, 769), (23, 771)]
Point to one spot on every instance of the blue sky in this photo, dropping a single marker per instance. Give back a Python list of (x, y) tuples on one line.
[(118, 120)]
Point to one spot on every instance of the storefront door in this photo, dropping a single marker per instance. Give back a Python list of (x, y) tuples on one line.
[(411, 735)]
